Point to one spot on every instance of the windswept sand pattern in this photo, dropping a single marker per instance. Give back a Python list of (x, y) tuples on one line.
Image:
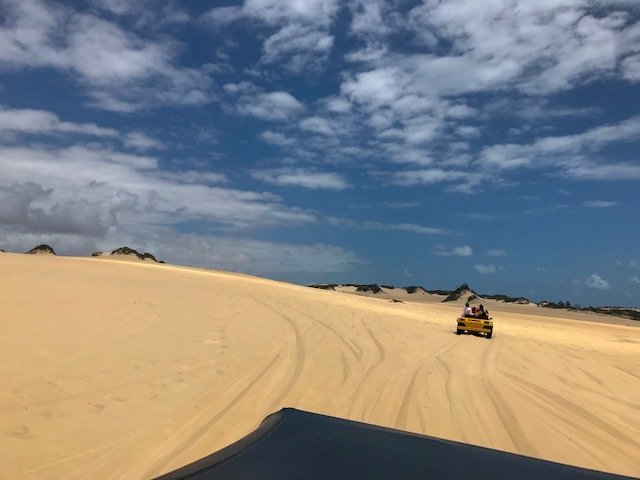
[(126, 370)]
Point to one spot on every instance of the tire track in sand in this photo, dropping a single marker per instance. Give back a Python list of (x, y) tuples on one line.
[(299, 351), (354, 348), (381, 355), (299, 363), (560, 401), (505, 414), (205, 426), (403, 411)]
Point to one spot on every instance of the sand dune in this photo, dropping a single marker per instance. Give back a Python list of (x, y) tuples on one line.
[(129, 370)]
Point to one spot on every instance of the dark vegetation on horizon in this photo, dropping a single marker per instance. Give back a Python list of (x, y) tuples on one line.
[(465, 290), (368, 287), (130, 251), (40, 249), (46, 249), (607, 310)]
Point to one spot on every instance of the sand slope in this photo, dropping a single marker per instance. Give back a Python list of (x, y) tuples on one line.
[(128, 370)]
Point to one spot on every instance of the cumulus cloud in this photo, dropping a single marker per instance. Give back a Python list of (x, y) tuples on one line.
[(300, 177), (67, 172), (594, 281), (606, 172), (400, 205), (569, 152), (277, 138), (82, 199), (370, 18), (463, 251), (370, 225), (317, 124), (600, 203), (631, 68), (118, 69), (520, 49), (250, 256), (540, 48), (490, 268), (299, 38), (221, 252), (497, 252), (635, 279), (30, 121), (141, 141), (255, 102), (429, 176), (299, 47), (468, 131)]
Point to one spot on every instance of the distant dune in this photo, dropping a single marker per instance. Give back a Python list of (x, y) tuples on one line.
[(117, 369), (126, 253), (41, 250)]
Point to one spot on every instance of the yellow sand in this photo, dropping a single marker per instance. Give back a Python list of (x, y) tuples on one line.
[(128, 370)]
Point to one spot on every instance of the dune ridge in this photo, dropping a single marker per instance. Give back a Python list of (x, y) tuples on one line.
[(120, 369)]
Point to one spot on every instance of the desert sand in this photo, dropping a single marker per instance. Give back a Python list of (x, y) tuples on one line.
[(131, 369)]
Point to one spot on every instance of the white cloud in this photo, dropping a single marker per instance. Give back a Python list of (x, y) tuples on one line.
[(301, 41), (118, 69), (594, 281), (537, 47), (607, 172), (220, 252), (275, 106), (400, 205), (251, 256), (301, 177), (429, 176), (275, 12), (369, 18), (337, 105), (491, 268), (22, 211), (463, 251), (497, 253), (369, 225), (634, 263), (276, 138), (94, 175), (317, 124), (631, 68), (569, 153), (468, 131), (600, 203), (506, 47), (28, 121), (635, 279), (375, 87), (298, 47), (119, 7), (141, 141), (221, 16)]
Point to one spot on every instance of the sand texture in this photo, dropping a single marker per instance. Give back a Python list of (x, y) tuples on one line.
[(131, 369)]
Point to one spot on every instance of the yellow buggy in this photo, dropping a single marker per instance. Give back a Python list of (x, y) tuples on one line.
[(475, 325)]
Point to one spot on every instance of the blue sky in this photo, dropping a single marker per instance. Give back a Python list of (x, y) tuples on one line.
[(404, 142)]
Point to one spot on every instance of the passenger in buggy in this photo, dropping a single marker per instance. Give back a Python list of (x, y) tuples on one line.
[(482, 313)]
